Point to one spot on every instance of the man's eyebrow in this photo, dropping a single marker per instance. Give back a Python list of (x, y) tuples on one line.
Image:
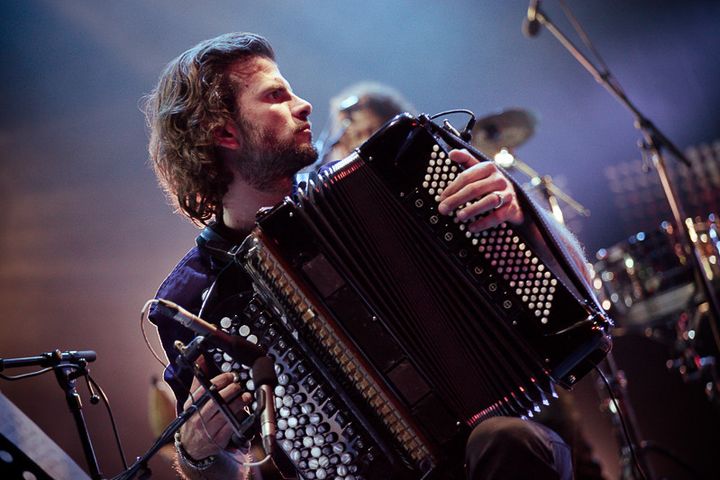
[(276, 84)]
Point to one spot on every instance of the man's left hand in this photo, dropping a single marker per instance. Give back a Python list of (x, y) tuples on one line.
[(480, 189)]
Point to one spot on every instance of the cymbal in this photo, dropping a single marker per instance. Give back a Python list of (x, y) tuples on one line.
[(507, 129)]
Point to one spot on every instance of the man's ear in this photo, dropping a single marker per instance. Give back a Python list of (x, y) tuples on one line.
[(227, 136)]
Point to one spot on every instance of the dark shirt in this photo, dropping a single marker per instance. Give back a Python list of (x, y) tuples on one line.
[(187, 285)]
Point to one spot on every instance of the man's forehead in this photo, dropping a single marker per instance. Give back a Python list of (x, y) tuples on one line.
[(250, 72)]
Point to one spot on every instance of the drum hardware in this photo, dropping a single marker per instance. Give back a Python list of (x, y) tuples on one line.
[(653, 143), (696, 361), (646, 281), (497, 135), (643, 280), (550, 192), (612, 390), (633, 464), (504, 130)]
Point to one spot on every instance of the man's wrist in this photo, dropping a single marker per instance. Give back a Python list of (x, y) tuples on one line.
[(189, 461)]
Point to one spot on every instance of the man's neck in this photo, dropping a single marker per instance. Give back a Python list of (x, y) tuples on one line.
[(242, 201)]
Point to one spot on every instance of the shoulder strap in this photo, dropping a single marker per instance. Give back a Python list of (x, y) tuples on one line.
[(216, 245)]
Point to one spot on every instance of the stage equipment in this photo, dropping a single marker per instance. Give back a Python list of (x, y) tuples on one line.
[(68, 367), (638, 195), (394, 329), (27, 452), (507, 129), (642, 280), (646, 283), (652, 145)]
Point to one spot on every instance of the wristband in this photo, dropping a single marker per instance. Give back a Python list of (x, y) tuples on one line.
[(202, 464)]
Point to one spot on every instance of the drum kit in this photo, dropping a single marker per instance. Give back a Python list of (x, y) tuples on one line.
[(649, 282)]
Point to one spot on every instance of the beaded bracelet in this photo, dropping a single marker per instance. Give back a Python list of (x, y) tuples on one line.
[(186, 459)]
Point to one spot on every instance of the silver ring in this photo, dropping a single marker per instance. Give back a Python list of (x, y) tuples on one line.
[(501, 200)]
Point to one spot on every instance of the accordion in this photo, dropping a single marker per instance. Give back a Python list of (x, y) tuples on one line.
[(394, 329)]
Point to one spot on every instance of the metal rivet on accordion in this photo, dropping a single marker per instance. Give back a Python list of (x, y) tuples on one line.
[(478, 270), (492, 287), (419, 203), (448, 236), (434, 219), (462, 253), (507, 304)]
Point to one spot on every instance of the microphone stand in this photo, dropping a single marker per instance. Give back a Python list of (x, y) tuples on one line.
[(652, 144), (66, 375), (68, 367), (618, 410)]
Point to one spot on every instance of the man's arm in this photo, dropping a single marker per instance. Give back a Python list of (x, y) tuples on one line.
[(203, 442)]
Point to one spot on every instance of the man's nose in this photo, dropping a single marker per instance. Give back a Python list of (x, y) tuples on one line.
[(303, 108)]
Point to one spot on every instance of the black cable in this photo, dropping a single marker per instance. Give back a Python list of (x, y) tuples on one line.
[(450, 112), (112, 419), (143, 313), (24, 375), (466, 134), (626, 433)]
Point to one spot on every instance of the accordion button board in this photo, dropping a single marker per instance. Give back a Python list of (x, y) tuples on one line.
[(319, 430)]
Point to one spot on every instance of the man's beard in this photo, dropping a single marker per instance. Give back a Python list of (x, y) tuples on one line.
[(266, 163)]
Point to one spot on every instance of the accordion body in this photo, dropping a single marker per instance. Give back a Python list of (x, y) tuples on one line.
[(394, 329)]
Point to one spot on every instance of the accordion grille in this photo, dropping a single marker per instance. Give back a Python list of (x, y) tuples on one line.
[(334, 343)]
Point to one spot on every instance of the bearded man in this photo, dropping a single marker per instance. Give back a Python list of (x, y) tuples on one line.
[(227, 135)]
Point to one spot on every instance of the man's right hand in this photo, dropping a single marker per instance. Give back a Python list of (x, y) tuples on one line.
[(201, 438)]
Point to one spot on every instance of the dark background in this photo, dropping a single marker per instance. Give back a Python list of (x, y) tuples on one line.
[(86, 236)]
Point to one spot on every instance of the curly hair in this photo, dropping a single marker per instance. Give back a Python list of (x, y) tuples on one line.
[(193, 98)]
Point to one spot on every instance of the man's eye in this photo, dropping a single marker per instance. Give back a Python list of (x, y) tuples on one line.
[(276, 94)]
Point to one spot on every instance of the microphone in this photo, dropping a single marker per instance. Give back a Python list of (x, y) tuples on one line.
[(263, 372), (531, 24), (49, 359), (237, 347)]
